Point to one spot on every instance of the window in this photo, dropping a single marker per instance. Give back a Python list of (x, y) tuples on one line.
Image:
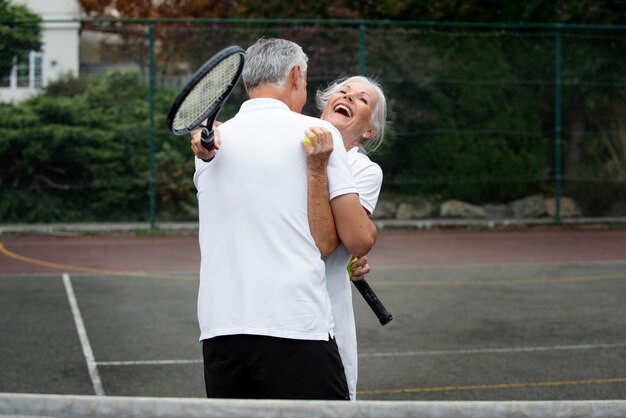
[(23, 66), (26, 73), (37, 70), (6, 81)]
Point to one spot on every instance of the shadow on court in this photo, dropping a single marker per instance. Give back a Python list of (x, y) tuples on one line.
[(490, 315)]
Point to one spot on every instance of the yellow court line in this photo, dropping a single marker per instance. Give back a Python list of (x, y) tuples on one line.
[(495, 386), (55, 266), (70, 268), (501, 282)]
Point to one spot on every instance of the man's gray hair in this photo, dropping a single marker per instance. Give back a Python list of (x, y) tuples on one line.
[(379, 113), (269, 61)]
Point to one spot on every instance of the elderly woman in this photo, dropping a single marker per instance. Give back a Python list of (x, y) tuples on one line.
[(357, 107)]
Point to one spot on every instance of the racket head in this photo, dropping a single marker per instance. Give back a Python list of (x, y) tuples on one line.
[(203, 96)]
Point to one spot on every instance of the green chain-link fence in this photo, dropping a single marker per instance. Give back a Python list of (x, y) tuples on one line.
[(491, 115)]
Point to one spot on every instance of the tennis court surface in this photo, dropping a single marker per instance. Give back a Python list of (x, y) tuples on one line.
[(521, 315)]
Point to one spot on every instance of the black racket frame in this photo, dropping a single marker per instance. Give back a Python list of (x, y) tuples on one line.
[(210, 114)]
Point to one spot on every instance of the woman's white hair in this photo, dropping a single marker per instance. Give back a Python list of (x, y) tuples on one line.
[(379, 113), (269, 61)]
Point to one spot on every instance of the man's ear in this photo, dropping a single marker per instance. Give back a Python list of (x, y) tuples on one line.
[(295, 76)]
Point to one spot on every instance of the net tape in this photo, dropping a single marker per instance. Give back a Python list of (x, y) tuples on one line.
[(22, 405)]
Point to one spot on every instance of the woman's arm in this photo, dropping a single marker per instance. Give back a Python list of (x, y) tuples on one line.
[(317, 150), (350, 221), (354, 227)]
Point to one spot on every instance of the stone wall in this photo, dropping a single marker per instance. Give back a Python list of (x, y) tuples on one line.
[(535, 206)]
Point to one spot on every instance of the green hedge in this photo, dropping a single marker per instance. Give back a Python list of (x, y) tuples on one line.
[(80, 152)]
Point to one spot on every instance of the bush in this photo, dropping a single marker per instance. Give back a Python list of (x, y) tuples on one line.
[(81, 153)]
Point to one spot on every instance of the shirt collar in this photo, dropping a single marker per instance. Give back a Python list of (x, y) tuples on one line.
[(357, 150), (261, 104)]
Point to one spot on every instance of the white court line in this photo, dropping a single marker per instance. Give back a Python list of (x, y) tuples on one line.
[(495, 350), (84, 340), (399, 354), (147, 362)]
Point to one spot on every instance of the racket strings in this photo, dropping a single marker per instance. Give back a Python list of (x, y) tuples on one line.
[(207, 93)]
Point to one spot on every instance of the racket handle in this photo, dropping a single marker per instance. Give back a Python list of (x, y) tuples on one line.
[(207, 137), (372, 300)]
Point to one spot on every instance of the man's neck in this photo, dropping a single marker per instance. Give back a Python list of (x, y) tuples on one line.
[(274, 92)]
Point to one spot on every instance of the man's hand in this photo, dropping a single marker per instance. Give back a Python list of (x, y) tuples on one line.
[(199, 150)]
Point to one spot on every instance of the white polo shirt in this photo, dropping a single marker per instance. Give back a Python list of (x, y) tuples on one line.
[(369, 177), (261, 272)]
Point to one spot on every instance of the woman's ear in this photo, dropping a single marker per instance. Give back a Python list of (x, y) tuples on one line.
[(369, 134)]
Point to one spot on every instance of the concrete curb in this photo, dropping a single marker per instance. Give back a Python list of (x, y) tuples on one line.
[(495, 223), (381, 224), (103, 227)]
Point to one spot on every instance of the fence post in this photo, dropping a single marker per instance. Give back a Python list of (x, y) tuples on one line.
[(152, 130), (361, 49), (557, 125)]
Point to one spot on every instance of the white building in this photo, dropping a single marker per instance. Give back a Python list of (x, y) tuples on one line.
[(59, 54)]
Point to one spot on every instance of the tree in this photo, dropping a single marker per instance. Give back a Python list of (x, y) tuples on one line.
[(594, 132), (467, 126), (159, 8), (460, 110), (127, 41), (497, 11), (79, 152), (250, 9), (544, 11), (16, 40)]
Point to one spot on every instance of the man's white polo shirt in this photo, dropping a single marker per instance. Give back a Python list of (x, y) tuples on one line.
[(261, 272)]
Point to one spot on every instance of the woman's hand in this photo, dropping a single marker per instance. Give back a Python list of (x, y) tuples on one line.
[(358, 269), (318, 145)]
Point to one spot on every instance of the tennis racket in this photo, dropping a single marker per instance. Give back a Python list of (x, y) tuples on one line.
[(384, 317), (204, 95)]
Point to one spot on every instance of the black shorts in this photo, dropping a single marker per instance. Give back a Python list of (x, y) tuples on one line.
[(262, 367)]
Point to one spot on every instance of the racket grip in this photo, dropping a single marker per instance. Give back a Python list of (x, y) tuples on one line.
[(207, 137), (372, 300)]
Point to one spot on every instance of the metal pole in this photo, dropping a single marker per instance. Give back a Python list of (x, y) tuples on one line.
[(557, 125), (362, 49), (152, 132)]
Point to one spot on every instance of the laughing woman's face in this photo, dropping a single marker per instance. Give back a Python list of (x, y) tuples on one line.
[(350, 110)]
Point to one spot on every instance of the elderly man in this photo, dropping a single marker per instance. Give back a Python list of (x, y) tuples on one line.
[(263, 305)]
